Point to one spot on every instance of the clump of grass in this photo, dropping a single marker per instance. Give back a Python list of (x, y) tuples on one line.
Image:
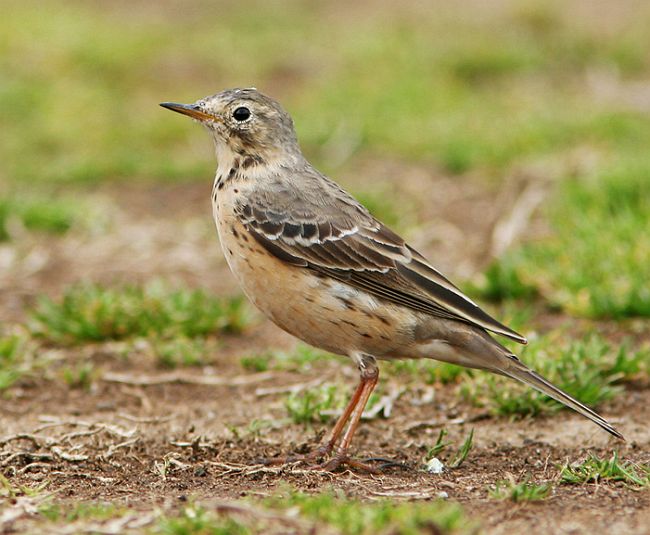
[(463, 451), (523, 491), (180, 351), (80, 375), (95, 313), (309, 406), (256, 363), (590, 370), (595, 469), (440, 446), (11, 362), (318, 404), (18, 357), (45, 215)]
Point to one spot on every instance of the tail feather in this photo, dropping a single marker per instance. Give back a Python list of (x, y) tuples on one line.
[(527, 376)]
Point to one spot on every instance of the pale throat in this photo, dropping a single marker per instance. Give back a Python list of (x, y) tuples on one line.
[(249, 166)]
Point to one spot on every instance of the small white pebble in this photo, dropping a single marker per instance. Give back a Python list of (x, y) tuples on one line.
[(435, 466), (443, 495)]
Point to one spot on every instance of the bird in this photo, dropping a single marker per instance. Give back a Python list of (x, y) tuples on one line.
[(317, 263)]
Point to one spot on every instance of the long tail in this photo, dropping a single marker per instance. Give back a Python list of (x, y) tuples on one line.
[(527, 376)]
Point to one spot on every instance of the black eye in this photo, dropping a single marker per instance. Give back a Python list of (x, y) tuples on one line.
[(241, 114)]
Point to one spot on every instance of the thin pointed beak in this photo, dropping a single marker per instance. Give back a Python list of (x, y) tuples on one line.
[(191, 110)]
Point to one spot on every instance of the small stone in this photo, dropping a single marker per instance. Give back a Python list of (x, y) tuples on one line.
[(435, 466)]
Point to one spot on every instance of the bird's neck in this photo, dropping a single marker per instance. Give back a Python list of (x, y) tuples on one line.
[(243, 166)]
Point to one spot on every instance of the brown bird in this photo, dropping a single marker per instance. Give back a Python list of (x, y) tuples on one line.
[(321, 267)]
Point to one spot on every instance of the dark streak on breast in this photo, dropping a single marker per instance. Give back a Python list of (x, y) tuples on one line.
[(348, 304)]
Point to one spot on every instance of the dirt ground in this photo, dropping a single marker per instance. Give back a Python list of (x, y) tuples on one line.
[(150, 438)]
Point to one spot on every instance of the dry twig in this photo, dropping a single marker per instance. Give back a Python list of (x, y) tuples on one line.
[(177, 378)]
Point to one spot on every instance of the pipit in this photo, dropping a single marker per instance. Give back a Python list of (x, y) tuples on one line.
[(321, 267)]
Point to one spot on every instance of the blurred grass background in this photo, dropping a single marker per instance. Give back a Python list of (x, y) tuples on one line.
[(477, 89)]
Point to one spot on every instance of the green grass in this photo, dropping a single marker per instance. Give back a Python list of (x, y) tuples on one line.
[(196, 520), (316, 404), (11, 358), (383, 205), (309, 405), (10, 490), (80, 375), (91, 313), (463, 451), (301, 358), (18, 358), (596, 263), (596, 469), (181, 351), (326, 511), (523, 491), (451, 460), (428, 370), (48, 215), (81, 511), (256, 363), (439, 447), (81, 104), (589, 369)]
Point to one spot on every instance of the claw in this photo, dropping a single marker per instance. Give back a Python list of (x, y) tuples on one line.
[(332, 465), (386, 463)]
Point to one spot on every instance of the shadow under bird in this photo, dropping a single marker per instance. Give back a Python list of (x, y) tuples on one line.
[(321, 267)]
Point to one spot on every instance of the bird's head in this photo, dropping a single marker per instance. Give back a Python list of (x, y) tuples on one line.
[(244, 124)]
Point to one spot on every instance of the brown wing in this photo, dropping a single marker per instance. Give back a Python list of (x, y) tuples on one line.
[(341, 239)]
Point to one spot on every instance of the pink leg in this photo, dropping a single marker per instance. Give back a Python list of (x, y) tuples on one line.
[(353, 411), (327, 445), (369, 379)]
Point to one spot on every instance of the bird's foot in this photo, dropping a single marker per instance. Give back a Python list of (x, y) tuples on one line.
[(317, 460), (341, 460)]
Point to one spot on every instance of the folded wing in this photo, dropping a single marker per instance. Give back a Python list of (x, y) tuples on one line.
[(341, 239)]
